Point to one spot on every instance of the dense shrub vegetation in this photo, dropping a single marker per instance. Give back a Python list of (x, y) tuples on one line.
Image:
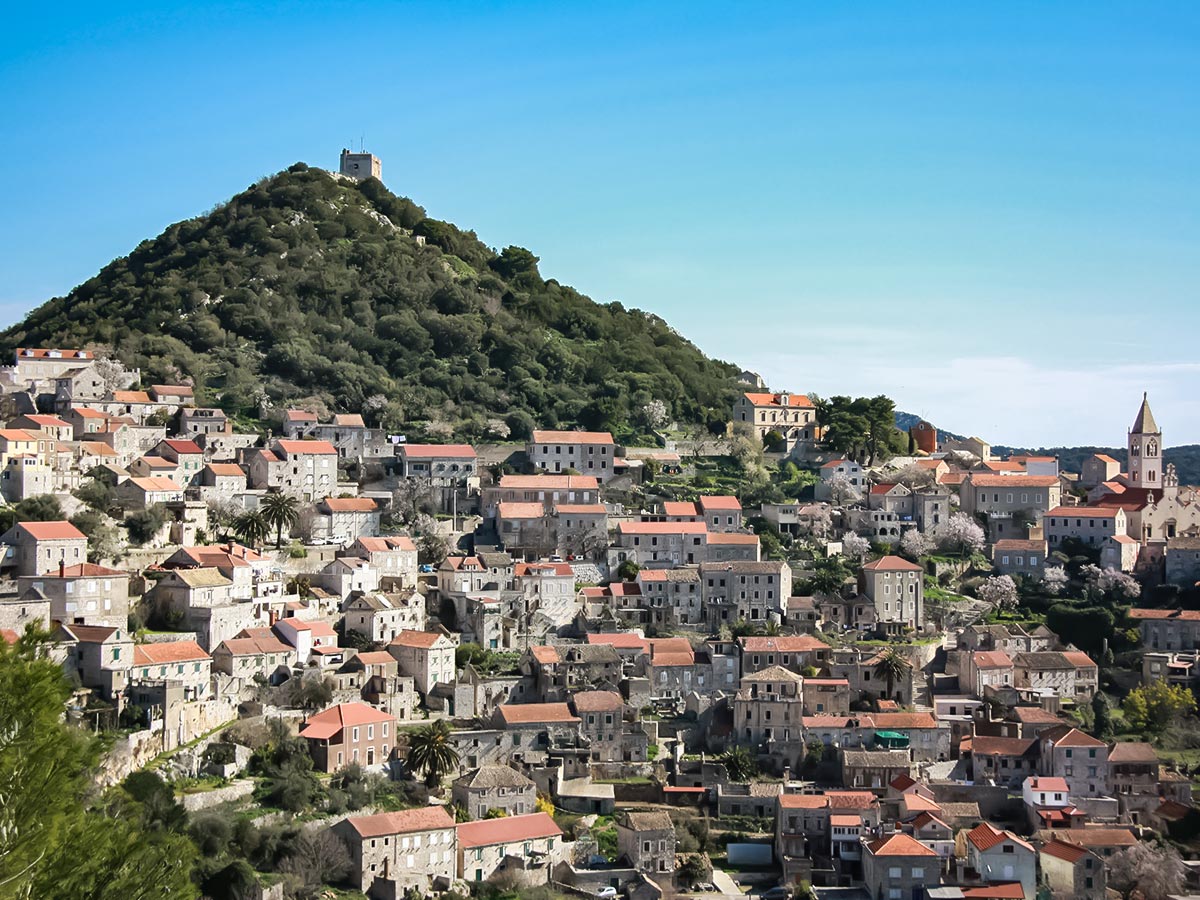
[(306, 286)]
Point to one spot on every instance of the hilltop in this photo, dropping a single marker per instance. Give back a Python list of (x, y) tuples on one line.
[(311, 289)]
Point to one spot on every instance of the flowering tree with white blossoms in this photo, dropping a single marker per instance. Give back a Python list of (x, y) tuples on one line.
[(963, 534), (914, 544), (855, 546), (999, 590), (1055, 580)]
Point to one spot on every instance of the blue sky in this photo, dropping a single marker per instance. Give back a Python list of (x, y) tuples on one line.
[(989, 212)]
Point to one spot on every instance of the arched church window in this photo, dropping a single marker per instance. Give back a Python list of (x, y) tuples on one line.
[(1152, 448), (1135, 449)]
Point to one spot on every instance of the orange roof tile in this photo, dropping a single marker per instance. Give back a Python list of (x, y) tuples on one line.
[(307, 448), (571, 437), (800, 401), (507, 830), (892, 564), (331, 721), (535, 713), (423, 639), (171, 652), (52, 531), (438, 451), (898, 844), (406, 821)]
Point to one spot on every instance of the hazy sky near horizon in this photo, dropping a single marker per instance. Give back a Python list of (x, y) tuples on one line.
[(989, 212)]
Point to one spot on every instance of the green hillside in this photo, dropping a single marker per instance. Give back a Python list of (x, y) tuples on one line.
[(306, 287)]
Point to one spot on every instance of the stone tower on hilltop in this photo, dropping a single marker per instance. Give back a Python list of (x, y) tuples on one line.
[(360, 166), (1145, 450)]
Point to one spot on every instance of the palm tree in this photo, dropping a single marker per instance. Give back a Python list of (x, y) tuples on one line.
[(280, 511), (430, 750), (740, 764), (252, 528), (892, 666)]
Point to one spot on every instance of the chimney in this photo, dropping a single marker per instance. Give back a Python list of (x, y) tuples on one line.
[(62, 568)]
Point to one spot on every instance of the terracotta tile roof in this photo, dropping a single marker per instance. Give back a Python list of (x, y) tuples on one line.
[(851, 799), (172, 390), (52, 531), (84, 570), (1034, 715), (387, 542), (299, 415), (1071, 737), (172, 652), (720, 502), (350, 504), (571, 437), (131, 397), (376, 658), (731, 537), (182, 446), (91, 633), (680, 508), (307, 448), (424, 639), (250, 646), (985, 836), (9, 636), (663, 528), (880, 489), (1011, 890), (624, 640), (891, 721), (511, 510), (331, 721), (1187, 615), (544, 569), (1049, 784), (156, 484), (1071, 853), (545, 655), (52, 353), (1084, 512), (795, 401), (549, 482), (224, 469), (438, 451), (984, 745), (991, 659), (1079, 659), (845, 821), (507, 830), (1089, 836), (803, 801), (1015, 544), (598, 701), (927, 818), (581, 509), (892, 564), (790, 643), (1132, 752), (898, 844), (1012, 481), (902, 782), (349, 420), (406, 821), (157, 462), (535, 713)]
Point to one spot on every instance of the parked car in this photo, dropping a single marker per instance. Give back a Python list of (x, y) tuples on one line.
[(606, 893), (426, 568)]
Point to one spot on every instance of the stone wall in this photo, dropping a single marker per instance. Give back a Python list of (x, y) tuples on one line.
[(208, 799)]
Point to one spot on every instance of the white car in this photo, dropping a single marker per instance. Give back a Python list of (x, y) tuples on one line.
[(606, 893)]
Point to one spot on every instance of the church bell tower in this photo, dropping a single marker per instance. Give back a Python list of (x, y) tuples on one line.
[(1145, 450)]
